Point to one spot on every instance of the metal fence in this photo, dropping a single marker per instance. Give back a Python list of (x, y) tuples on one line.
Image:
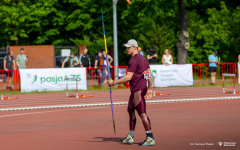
[(13, 80), (202, 76), (58, 59)]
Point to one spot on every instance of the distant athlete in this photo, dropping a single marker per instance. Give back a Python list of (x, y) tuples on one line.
[(138, 75)]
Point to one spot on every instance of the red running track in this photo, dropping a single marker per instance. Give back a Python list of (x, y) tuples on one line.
[(59, 99), (176, 126)]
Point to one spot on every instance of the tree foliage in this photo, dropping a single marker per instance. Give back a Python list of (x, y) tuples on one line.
[(212, 25)]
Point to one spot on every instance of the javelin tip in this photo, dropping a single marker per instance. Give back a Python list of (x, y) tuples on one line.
[(114, 127)]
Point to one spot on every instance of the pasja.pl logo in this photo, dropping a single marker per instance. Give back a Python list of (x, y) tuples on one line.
[(154, 73), (55, 79)]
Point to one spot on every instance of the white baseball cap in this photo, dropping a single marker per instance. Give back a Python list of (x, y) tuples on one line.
[(130, 43)]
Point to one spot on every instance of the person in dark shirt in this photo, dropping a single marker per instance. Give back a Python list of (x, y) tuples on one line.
[(139, 73), (84, 59), (152, 56), (99, 65), (9, 67)]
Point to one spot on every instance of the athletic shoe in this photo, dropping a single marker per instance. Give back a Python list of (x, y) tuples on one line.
[(149, 141), (128, 139)]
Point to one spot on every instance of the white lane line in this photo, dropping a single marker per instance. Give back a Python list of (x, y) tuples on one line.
[(22, 114), (117, 103)]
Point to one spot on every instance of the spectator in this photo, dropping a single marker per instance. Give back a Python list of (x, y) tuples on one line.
[(140, 51), (109, 58), (167, 57), (213, 62), (152, 56), (99, 62), (84, 59), (105, 63), (72, 61), (21, 59), (9, 67)]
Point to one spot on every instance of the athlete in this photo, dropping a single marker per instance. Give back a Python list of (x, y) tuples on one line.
[(138, 75)]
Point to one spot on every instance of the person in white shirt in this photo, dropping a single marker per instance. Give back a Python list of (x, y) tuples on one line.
[(167, 57)]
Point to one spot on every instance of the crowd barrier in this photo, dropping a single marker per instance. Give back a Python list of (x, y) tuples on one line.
[(96, 77), (202, 76), (14, 79)]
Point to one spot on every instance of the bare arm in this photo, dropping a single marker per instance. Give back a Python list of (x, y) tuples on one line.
[(75, 64), (163, 59), (95, 65), (110, 59), (212, 61), (127, 78), (63, 63), (17, 64), (149, 57), (171, 59), (26, 58), (14, 65), (150, 81), (4, 65), (238, 58)]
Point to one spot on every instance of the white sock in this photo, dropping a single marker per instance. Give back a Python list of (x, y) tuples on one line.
[(149, 131), (131, 133)]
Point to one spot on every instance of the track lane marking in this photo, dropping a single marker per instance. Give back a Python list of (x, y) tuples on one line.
[(22, 114)]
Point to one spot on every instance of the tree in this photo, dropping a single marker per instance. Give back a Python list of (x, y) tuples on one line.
[(206, 24), (183, 43)]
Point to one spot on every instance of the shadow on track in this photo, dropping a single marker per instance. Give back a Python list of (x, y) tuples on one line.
[(106, 139)]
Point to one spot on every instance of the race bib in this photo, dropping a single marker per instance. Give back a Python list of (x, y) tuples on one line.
[(146, 75)]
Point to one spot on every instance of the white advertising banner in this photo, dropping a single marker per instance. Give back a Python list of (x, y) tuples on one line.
[(172, 75), (52, 79)]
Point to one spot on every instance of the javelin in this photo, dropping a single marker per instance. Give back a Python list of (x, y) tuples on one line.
[(108, 70)]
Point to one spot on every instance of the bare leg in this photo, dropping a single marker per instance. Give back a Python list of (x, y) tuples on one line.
[(214, 77), (9, 81)]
